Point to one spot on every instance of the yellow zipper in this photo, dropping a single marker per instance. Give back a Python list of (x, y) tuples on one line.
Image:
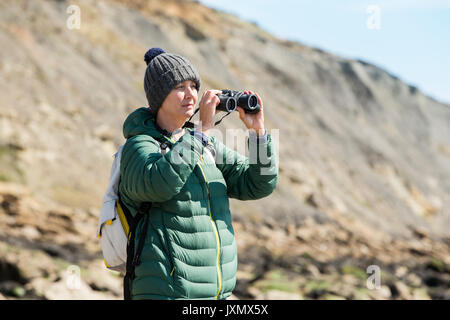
[(219, 274)]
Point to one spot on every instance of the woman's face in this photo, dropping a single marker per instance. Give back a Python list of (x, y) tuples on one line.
[(180, 102)]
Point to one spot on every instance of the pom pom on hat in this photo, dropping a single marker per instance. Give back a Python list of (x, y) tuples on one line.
[(151, 53)]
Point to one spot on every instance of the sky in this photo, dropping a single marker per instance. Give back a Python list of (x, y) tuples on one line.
[(408, 38)]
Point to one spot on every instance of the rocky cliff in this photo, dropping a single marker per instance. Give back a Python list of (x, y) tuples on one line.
[(364, 157)]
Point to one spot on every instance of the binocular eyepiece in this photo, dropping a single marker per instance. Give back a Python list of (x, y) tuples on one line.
[(230, 100)]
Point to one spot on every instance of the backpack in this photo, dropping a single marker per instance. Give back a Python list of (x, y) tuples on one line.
[(116, 226)]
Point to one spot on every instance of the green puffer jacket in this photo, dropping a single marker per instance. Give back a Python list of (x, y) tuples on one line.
[(190, 249)]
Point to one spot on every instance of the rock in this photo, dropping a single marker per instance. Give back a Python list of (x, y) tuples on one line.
[(332, 297), (10, 271), (419, 232), (341, 289), (12, 289), (381, 293), (361, 294), (254, 292), (19, 291), (437, 265), (104, 132), (401, 271), (350, 279), (30, 232), (103, 280), (280, 295), (304, 234), (318, 200), (402, 290), (67, 288), (93, 212), (420, 294), (312, 270), (14, 190), (414, 280)]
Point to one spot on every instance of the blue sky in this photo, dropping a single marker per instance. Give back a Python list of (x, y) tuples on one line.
[(412, 41)]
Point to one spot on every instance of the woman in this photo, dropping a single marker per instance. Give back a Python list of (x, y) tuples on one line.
[(190, 250)]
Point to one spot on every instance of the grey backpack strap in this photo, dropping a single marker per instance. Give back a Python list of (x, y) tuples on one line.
[(209, 149), (163, 147)]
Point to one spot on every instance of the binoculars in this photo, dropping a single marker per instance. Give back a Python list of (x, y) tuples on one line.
[(230, 100)]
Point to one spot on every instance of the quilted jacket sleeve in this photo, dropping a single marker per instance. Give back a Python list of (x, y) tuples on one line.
[(249, 178), (148, 176)]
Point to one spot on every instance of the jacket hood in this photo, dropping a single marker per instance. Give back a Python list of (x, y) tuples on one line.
[(140, 121)]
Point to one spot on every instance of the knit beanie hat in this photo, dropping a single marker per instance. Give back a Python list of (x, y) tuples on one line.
[(164, 72)]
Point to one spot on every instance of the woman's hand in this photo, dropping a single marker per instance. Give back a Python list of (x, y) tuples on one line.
[(253, 121), (207, 105)]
